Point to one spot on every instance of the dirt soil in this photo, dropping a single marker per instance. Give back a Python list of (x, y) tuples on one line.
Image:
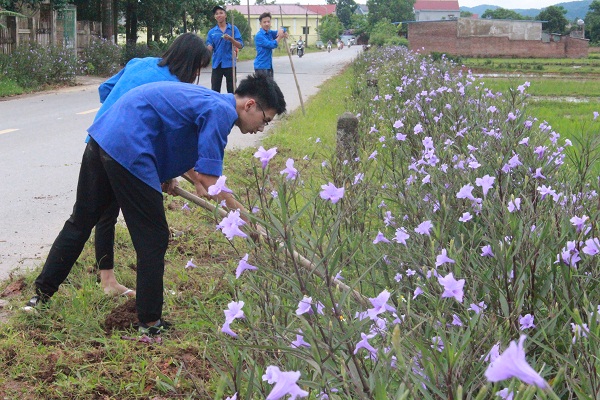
[(122, 317)]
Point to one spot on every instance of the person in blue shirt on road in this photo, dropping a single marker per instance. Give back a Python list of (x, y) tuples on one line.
[(266, 40), (182, 62), (149, 137), (220, 40)]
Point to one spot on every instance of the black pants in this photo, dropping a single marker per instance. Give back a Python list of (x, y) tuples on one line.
[(217, 78), (268, 72), (103, 183), (104, 238)]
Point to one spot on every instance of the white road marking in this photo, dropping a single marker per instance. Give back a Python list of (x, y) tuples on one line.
[(88, 111)]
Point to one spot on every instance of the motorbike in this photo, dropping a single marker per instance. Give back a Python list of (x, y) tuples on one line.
[(329, 47), (300, 48)]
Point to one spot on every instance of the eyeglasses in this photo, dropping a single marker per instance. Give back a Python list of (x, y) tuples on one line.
[(265, 121)]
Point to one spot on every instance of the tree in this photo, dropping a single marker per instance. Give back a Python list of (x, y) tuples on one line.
[(383, 32), (330, 28), (344, 11), (466, 14), (592, 22), (502, 13), (555, 17), (392, 10)]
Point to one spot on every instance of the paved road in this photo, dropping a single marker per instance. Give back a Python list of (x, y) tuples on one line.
[(41, 143)]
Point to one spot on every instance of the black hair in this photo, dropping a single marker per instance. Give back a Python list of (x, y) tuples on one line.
[(264, 15), (263, 89), (186, 56)]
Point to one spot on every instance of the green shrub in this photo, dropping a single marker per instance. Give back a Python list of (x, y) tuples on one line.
[(34, 65), (101, 57)]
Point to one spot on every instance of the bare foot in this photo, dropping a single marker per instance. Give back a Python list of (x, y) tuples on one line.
[(116, 289)]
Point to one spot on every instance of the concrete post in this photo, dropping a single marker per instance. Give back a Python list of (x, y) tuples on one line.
[(347, 137)]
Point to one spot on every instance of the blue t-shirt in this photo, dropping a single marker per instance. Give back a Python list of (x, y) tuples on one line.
[(265, 43), (222, 49), (137, 72), (159, 131)]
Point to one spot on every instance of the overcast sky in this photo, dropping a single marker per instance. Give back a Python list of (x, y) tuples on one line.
[(510, 4)]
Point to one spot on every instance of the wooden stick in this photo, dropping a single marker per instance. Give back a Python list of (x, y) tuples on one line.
[(292, 64), (233, 58), (303, 261)]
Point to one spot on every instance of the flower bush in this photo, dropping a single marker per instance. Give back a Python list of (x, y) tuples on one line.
[(415, 268), (32, 65), (101, 57)]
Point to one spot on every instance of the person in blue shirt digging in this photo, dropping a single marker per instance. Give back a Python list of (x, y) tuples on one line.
[(265, 41), (138, 147), (220, 40), (182, 62)]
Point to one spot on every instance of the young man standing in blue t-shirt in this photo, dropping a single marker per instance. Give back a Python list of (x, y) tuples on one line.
[(149, 137), (220, 40), (266, 40)]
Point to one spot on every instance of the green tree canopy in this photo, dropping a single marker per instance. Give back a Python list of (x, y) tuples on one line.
[(345, 10), (556, 19), (466, 14), (330, 28), (383, 32), (392, 10), (503, 13), (592, 22)]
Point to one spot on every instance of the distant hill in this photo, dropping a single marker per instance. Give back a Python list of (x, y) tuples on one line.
[(575, 9)]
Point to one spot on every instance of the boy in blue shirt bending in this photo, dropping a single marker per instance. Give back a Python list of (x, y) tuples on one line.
[(149, 137), (220, 40)]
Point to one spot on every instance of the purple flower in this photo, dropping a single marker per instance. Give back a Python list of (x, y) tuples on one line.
[(418, 129), (219, 187), (265, 155), (234, 397), (595, 115), (424, 228), (364, 344), (380, 238), (289, 169), (514, 204), (578, 222), (331, 193), (285, 383), (190, 264), (478, 308), (417, 292), (234, 311), (465, 217), (579, 331), (380, 305), (538, 174), (592, 247), (456, 320), (304, 306), (410, 272), (185, 207), (299, 342), (505, 394), (526, 322), (486, 251), (437, 343), (465, 192), (512, 364), (243, 266), (230, 225), (358, 178), (401, 236), (443, 259), (452, 287)]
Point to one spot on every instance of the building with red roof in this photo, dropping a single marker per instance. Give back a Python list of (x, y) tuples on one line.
[(436, 10)]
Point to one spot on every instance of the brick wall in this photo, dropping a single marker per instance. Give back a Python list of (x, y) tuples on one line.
[(441, 36)]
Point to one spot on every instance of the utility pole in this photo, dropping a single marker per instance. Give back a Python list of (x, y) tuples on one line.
[(306, 31)]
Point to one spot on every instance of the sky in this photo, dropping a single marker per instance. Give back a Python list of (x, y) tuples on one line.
[(509, 4)]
